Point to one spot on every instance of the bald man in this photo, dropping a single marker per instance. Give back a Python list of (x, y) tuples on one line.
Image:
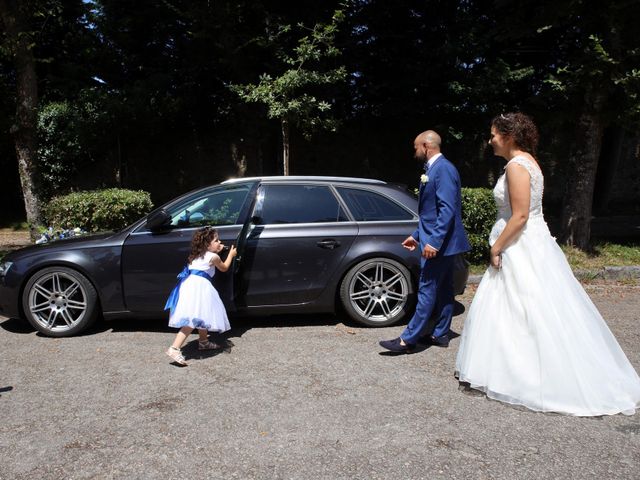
[(440, 236)]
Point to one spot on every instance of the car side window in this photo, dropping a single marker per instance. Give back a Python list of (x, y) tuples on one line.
[(300, 204), (367, 206), (220, 206)]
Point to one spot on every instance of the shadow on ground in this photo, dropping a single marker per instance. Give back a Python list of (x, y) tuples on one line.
[(239, 325)]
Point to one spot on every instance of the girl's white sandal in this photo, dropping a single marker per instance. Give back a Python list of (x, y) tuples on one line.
[(176, 356), (208, 345)]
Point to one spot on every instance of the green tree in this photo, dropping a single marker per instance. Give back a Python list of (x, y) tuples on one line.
[(429, 64), (43, 50), (168, 65), (601, 81), (19, 45), (75, 135), (583, 61), (294, 96)]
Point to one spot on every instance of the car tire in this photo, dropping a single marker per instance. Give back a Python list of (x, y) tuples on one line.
[(60, 302), (377, 292)]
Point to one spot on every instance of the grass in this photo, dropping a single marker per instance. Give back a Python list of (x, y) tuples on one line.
[(16, 226), (604, 254)]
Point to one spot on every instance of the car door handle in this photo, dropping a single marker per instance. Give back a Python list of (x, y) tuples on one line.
[(328, 244)]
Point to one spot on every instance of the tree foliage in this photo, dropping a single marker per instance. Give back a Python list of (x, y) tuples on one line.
[(171, 95), (292, 96)]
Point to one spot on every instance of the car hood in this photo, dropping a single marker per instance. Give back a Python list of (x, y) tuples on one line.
[(92, 240)]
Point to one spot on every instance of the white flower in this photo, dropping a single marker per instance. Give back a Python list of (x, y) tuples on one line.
[(424, 178)]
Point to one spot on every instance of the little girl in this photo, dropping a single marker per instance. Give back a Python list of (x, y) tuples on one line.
[(194, 302)]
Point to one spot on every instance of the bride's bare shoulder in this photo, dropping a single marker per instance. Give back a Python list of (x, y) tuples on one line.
[(527, 157)]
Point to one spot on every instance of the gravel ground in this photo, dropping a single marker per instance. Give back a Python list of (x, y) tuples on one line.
[(293, 398)]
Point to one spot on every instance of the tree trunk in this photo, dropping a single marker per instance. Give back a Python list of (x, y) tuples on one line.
[(24, 129), (583, 165), (612, 144), (285, 146), (239, 160)]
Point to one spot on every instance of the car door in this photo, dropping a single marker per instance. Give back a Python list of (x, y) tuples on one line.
[(151, 259), (298, 237)]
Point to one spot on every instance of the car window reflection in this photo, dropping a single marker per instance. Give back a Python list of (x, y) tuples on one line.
[(218, 207), (286, 204), (366, 206)]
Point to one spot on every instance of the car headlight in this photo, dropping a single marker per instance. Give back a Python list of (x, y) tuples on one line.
[(4, 268)]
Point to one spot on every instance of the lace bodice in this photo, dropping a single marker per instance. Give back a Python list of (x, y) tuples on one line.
[(501, 196)]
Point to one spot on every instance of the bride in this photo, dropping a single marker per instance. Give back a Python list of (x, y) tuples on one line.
[(532, 336)]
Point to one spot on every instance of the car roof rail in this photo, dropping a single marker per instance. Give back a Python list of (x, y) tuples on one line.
[(308, 178)]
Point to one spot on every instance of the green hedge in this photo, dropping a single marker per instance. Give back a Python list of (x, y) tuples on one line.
[(478, 216), (98, 210)]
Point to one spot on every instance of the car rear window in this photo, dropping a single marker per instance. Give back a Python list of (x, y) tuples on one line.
[(300, 204), (367, 206)]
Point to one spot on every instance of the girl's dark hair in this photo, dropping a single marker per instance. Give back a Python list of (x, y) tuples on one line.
[(520, 127), (200, 242)]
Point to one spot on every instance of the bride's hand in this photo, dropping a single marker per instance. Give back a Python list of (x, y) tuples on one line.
[(495, 259)]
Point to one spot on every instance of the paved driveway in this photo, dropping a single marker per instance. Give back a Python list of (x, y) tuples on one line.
[(295, 397)]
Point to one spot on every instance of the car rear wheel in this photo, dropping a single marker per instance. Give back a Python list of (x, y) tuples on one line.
[(377, 292), (60, 302)]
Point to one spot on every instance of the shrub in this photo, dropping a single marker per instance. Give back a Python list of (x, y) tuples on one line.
[(478, 216), (71, 138), (98, 210)]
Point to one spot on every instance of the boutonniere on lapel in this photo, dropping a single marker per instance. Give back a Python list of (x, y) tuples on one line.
[(424, 178)]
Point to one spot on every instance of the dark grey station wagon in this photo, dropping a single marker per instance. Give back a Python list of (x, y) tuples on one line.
[(305, 244)]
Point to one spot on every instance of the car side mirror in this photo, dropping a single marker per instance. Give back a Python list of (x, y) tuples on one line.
[(158, 219)]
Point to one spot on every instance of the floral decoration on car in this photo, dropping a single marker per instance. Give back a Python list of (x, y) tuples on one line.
[(50, 234)]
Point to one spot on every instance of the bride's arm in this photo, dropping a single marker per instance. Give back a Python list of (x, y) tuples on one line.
[(518, 180)]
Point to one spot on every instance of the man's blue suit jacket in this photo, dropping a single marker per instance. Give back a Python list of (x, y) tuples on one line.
[(440, 211)]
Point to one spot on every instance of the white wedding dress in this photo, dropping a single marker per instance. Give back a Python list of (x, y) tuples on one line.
[(532, 336)]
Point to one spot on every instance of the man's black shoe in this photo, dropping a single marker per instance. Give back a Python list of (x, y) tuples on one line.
[(395, 346), (439, 341)]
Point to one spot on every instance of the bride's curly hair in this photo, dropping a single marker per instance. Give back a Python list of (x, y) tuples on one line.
[(200, 242), (520, 127)]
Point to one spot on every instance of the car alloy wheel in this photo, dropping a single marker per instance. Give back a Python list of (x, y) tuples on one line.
[(377, 292), (59, 301)]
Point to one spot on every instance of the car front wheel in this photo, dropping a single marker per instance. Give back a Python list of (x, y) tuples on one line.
[(377, 292), (60, 302)]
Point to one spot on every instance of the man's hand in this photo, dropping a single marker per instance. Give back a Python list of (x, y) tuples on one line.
[(429, 252), (410, 244)]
